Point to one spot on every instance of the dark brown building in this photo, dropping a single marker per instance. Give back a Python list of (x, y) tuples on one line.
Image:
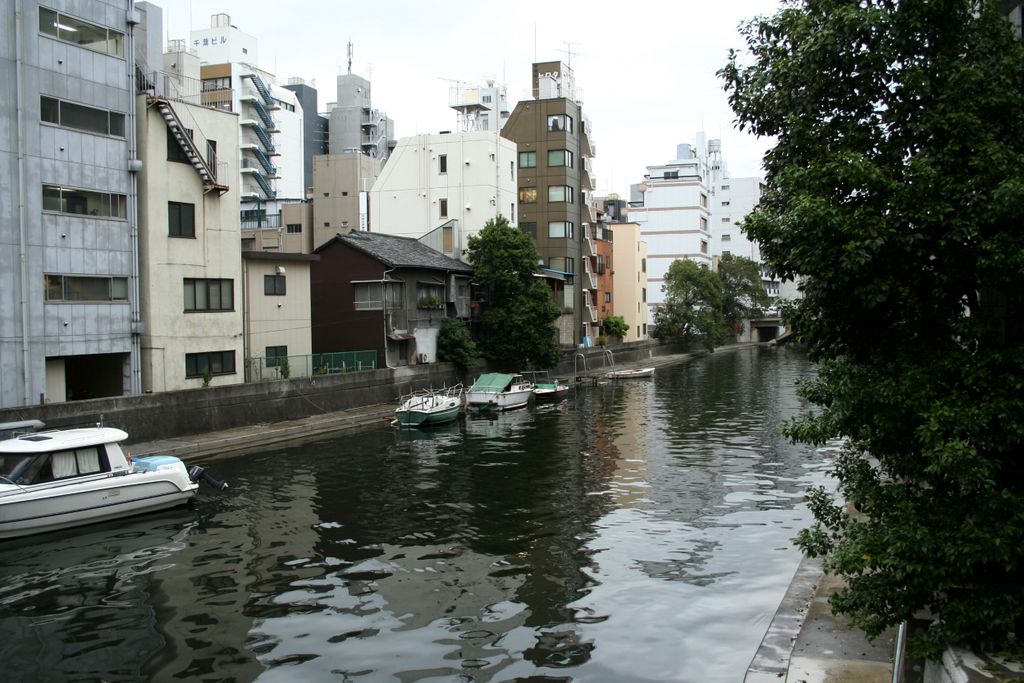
[(554, 186), (385, 293)]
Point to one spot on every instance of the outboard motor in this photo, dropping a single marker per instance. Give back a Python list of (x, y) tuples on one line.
[(199, 474)]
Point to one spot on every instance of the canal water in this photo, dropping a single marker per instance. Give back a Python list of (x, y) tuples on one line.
[(640, 530)]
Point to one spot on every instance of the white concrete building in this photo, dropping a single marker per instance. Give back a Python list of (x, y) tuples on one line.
[(465, 179), (480, 107), (673, 208), (270, 117), (190, 268)]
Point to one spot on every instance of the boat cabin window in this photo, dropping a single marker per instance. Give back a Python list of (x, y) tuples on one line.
[(41, 468)]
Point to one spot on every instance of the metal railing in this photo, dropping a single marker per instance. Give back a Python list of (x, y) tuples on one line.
[(269, 221), (279, 367)]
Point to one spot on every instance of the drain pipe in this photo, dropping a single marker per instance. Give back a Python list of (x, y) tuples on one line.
[(19, 47), (384, 303), (134, 166)]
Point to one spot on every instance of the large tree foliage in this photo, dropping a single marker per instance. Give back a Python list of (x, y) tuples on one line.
[(692, 306), (518, 320), (743, 295), (896, 190), (454, 343)]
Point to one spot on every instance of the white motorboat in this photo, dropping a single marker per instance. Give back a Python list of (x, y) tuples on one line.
[(64, 478), (631, 374), (498, 391), (429, 407)]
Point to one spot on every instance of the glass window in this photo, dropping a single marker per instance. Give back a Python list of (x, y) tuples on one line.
[(209, 295), (560, 194), (82, 33), (726, 238), (442, 208), (181, 219), (528, 195), (527, 160), (560, 229), (560, 157), (442, 163), (274, 285), (367, 296), (559, 123), (294, 228), (85, 288), (529, 228), (214, 362), (276, 355), (84, 202)]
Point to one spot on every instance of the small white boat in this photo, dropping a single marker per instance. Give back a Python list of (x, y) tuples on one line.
[(65, 478), (631, 374), (427, 407), (498, 391)]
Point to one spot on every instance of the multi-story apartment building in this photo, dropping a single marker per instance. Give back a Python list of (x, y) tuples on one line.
[(461, 179), (480, 107), (69, 307), (355, 126), (271, 130), (189, 261), (672, 206), (554, 180), (341, 191), (629, 284)]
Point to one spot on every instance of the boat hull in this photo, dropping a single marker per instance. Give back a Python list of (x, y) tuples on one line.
[(423, 418), (429, 408), (499, 400), (631, 374), (34, 510)]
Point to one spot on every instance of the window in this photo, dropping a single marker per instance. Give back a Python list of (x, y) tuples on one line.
[(214, 362), (560, 194), (725, 187), (562, 264), (726, 238), (727, 220), (367, 296), (703, 223), (560, 229), (560, 157), (82, 288), (429, 296), (671, 175), (486, 99), (276, 355), (527, 160), (175, 152), (528, 195), (221, 83), (511, 169), (643, 265), (209, 295), (84, 202), (726, 252), (726, 203), (559, 123), (703, 200), (644, 294), (703, 246), (294, 228), (529, 228), (442, 163), (248, 243), (442, 208), (607, 297), (80, 117), (81, 33), (274, 285), (181, 219)]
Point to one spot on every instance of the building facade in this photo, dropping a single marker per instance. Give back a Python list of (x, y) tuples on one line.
[(355, 126), (341, 193), (465, 179), (554, 184), (629, 285), (69, 308), (673, 208), (315, 128)]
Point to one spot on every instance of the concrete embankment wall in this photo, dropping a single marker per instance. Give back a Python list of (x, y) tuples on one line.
[(172, 414)]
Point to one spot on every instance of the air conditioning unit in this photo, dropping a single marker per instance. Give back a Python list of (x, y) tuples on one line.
[(422, 358)]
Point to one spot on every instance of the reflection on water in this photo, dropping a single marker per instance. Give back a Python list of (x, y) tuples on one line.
[(636, 531)]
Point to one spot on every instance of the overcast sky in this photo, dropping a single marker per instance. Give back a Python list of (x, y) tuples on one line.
[(647, 70)]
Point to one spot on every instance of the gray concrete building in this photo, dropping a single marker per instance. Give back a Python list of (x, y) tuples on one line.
[(69, 304), (314, 127)]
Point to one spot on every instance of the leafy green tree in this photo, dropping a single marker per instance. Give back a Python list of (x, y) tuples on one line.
[(454, 343), (743, 295), (615, 325), (518, 322), (692, 306), (896, 190)]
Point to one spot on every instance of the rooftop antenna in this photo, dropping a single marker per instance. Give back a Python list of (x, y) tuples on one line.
[(350, 56), (569, 52)]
